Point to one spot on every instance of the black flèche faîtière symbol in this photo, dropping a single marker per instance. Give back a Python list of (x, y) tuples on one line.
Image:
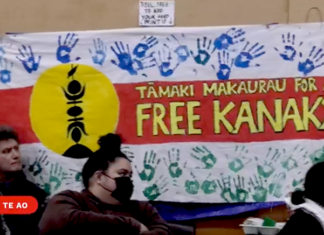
[(76, 129)]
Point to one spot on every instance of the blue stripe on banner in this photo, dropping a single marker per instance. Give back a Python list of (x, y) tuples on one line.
[(191, 211)]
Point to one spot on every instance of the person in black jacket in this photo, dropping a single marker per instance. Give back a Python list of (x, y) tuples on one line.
[(13, 182), (307, 205)]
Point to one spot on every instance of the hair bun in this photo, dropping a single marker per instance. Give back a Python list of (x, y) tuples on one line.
[(110, 142), (297, 197)]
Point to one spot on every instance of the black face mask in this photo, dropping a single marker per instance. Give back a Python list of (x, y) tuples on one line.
[(124, 188)]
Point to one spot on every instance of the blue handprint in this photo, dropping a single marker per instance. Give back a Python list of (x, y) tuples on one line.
[(140, 51), (64, 50), (5, 73), (289, 51), (204, 51), (100, 52), (2, 51), (225, 65), (164, 62), (231, 37), (181, 50), (28, 59), (245, 57), (313, 61), (124, 57), (144, 63), (126, 62)]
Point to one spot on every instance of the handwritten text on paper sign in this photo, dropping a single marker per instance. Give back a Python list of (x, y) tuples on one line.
[(156, 13)]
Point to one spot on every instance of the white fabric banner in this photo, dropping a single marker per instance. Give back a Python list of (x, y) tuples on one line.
[(217, 114)]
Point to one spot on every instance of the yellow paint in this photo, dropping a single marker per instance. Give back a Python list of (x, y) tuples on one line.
[(158, 118), (48, 107)]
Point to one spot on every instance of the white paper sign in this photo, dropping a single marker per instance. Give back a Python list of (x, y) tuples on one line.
[(156, 13)]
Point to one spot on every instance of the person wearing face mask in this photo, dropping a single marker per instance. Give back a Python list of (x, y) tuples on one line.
[(307, 205), (105, 205)]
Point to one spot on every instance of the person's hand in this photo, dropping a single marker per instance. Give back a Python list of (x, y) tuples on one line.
[(143, 228)]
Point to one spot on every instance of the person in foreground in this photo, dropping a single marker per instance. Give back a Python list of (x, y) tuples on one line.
[(307, 205), (104, 207), (13, 182)]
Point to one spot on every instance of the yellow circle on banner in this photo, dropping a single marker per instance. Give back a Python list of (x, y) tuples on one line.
[(71, 107)]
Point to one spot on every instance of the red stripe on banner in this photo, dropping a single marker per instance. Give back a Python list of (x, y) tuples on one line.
[(14, 111), (222, 111)]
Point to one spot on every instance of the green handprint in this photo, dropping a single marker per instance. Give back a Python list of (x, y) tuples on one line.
[(126, 150), (275, 188), (225, 186), (77, 175), (298, 184), (56, 176), (205, 157), (317, 156), (209, 186), (290, 163), (241, 194), (174, 157), (260, 193), (149, 167), (192, 186), (154, 191), (237, 164), (45, 186), (37, 166), (267, 169)]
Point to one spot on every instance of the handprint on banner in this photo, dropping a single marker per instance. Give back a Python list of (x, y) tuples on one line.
[(5, 71), (246, 56), (230, 38), (209, 186), (317, 156), (2, 50), (128, 152), (166, 61), (241, 194), (155, 190), (258, 191), (204, 51), (64, 49), (173, 165), (202, 154), (76, 175), (182, 51), (141, 49), (99, 53), (149, 166), (28, 59), (276, 186), (266, 169), (225, 185), (239, 162), (126, 62), (225, 65), (192, 185), (290, 47), (297, 183), (291, 162), (312, 62), (56, 178), (39, 163)]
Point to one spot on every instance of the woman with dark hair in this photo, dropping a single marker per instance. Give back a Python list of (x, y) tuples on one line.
[(307, 205), (104, 207)]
